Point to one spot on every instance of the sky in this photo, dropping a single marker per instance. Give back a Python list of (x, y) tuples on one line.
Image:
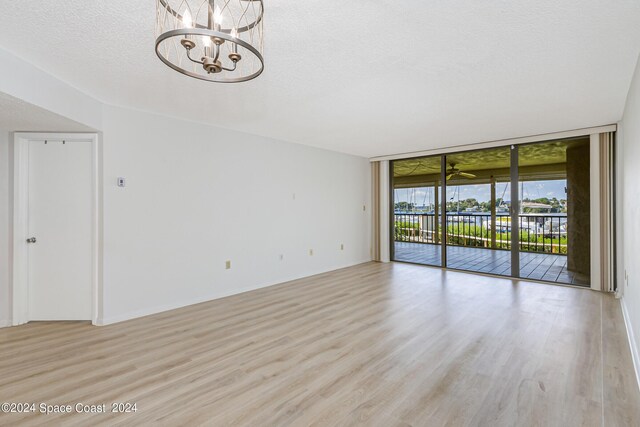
[(532, 190)]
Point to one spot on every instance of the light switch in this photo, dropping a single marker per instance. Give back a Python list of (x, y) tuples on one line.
[(121, 182)]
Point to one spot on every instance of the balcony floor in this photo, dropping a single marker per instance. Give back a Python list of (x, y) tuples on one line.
[(534, 266)]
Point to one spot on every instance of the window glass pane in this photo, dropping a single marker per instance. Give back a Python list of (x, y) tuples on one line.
[(478, 228), (417, 191), (554, 211)]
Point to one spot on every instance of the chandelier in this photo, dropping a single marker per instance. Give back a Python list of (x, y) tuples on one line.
[(213, 40)]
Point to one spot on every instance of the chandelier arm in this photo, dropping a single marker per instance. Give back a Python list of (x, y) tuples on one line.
[(192, 32), (193, 60), (231, 69)]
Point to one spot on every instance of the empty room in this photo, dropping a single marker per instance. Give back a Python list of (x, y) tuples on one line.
[(319, 213)]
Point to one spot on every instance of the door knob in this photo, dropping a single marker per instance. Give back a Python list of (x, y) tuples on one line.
[(31, 240)]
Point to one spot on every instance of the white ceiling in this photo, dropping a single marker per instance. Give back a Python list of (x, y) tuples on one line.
[(364, 77), (17, 115)]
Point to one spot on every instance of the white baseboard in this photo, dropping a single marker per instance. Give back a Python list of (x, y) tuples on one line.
[(632, 340), (148, 311), (5, 323)]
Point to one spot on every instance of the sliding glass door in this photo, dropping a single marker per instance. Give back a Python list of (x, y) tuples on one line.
[(520, 211), (478, 217), (417, 195), (554, 211)]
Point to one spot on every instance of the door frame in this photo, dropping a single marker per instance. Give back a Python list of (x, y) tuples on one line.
[(20, 265), (594, 211)]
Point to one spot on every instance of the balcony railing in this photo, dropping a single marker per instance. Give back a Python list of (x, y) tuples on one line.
[(538, 232)]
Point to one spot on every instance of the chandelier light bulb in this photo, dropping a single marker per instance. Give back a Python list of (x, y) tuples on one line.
[(234, 46), (206, 41), (217, 17), (187, 22)]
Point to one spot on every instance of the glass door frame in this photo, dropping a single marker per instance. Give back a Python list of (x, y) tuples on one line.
[(443, 241), (443, 207), (515, 212), (517, 248)]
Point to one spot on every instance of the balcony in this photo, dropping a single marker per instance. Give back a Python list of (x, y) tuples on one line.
[(475, 244)]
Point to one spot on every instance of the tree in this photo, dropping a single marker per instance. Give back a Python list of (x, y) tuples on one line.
[(404, 206)]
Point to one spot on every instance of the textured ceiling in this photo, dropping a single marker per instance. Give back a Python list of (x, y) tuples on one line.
[(17, 115), (537, 154), (368, 78)]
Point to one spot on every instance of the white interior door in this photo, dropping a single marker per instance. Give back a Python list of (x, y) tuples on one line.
[(59, 219)]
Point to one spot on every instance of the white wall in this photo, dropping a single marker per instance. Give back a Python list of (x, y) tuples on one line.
[(197, 196), (23, 80), (5, 311), (629, 191)]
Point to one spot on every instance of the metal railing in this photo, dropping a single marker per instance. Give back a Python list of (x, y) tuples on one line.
[(538, 232)]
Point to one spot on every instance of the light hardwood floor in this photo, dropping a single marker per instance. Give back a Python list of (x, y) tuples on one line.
[(375, 344)]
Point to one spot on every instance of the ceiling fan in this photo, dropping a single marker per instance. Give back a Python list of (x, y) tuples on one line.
[(454, 172)]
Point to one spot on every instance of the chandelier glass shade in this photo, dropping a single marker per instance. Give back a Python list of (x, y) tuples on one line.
[(213, 40)]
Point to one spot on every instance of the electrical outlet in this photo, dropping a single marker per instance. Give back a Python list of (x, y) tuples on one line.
[(227, 265), (342, 246), (364, 207), (310, 252), (281, 257)]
